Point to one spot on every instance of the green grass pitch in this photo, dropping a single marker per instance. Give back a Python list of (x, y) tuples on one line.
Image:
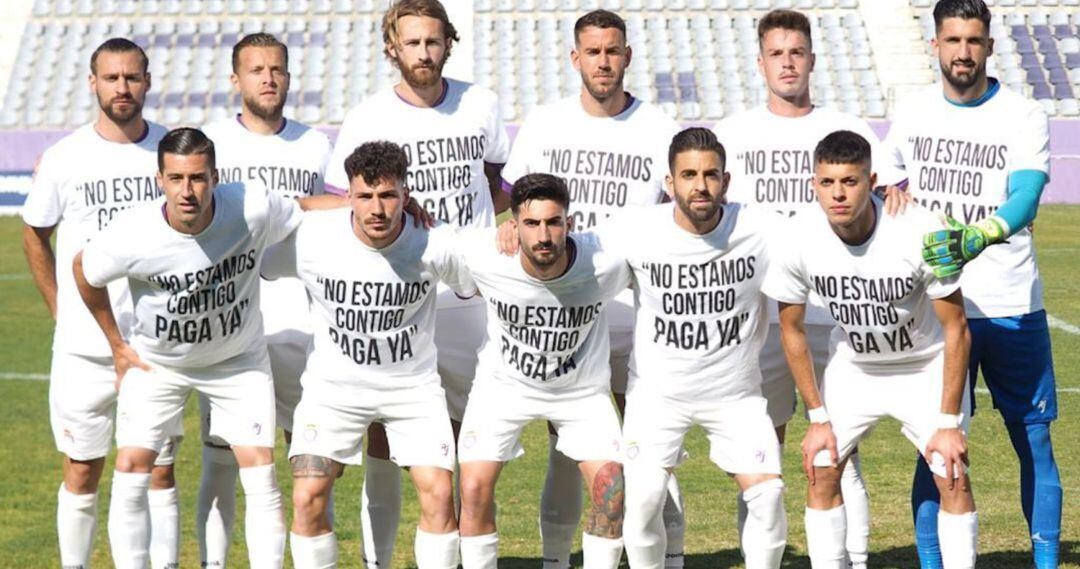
[(30, 465)]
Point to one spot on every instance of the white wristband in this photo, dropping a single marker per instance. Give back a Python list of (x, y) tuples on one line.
[(818, 415), (947, 421)]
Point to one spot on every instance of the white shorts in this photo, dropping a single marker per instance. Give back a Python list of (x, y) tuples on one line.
[(82, 405), (332, 424), (498, 411), (239, 391), (777, 383), (741, 436), (460, 328), (288, 353), (857, 399)]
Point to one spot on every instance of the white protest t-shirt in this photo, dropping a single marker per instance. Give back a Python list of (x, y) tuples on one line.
[(879, 293), (82, 182), (447, 146), (547, 335), (771, 161), (958, 160), (374, 308), (290, 163), (195, 296), (607, 162), (701, 317)]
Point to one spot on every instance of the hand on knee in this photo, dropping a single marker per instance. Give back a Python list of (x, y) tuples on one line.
[(824, 492), (958, 499)]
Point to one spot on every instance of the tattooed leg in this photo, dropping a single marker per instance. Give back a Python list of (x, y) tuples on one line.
[(313, 478), (605, 479)]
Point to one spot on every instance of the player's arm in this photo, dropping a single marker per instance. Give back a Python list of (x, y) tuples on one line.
[(949, 441), (500, 198), (97, 301), (819, 435), (42, 261)]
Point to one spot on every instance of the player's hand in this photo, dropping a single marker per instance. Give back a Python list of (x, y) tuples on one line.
[(951, 446), (421, 215), (819, 437), (948, 250), (125, 358), (507, 238), (896, 200)]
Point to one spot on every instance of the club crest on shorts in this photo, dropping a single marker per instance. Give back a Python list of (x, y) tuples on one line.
[(468, 439), (759, 456), (310, 432), (632, 451), (70, 437), (444, 449), (256, 428)]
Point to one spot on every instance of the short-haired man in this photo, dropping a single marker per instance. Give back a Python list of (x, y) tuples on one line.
[(456, 143), (900, 349), (373, 353), (701, 321), (82, 182), (611, 149), (192, 262), (769, 149), (979, 152), (545, 357), (260, 147)]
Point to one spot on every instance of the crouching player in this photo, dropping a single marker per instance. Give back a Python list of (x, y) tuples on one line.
[(701, 322), (901, 348), (374, 295)]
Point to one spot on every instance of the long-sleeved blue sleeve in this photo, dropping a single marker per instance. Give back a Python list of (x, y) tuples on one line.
[(1025, 190)]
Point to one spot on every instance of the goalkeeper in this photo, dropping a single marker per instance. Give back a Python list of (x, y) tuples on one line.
[(979, 153)]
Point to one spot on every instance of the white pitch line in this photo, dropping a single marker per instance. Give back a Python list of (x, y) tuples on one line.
[(27, 376), (15, 277), (1060, 324), (1069, 390)]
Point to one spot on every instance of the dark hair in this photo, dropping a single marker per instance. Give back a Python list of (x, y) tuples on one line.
[(259, 39), (784, 20), (185, 141), (429, 8), (842, 147), (695, 138), (377, 161), (965, 9), (539, 187), (602, 19), (118, 45)]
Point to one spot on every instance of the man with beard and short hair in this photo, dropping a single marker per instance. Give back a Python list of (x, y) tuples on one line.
[(260, 147), (785, 131), (82, 182), (456, 143), (979, 152), (611, 149)]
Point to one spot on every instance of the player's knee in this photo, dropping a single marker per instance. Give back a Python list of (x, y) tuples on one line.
[(135, 460), (162, 477), (437, 503), (824, 493), (309, 503), (476, 493)]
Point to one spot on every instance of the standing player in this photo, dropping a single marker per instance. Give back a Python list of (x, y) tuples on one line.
[(261, 148), (980, 152), (374, 354), (192, 262), (700, 324), (611, 149), (545, 357), (770, 149), (83, 181), (900, 350), (456, 144)]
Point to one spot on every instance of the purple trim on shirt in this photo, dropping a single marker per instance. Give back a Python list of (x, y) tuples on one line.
[(506, 186), (332, 189), (439, 101), (142, 137), (284, 122), (629, 102)]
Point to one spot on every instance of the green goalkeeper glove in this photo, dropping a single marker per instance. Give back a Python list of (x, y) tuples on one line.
[(948, 250)]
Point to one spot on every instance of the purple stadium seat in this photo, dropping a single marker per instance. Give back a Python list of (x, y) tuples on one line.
[(1063, 91), (1040, 91), (229, 39), (1072, 60), (1042, 31), (1029, 61), (142, 40), (219, 99), (206, 40), (1058, 75), (1052, 61), (1062, 31), (185, 40), (162, 41), (687, 87), (1019, 31), (317, 39), (197, 99), (1034, 75), (153, 100), (295, 40), (174, 100)]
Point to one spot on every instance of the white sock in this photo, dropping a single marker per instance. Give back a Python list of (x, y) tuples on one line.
[(264, 519), (215, 509), (765, 534), (436, 550), (958, 534), (129, 520), (480, 551), (674, 525), (76, 520), (164, 528), (380, 510), (857, 508), (601, 552), (319, 552), (643, 524), (825, 531), (560, 507)]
